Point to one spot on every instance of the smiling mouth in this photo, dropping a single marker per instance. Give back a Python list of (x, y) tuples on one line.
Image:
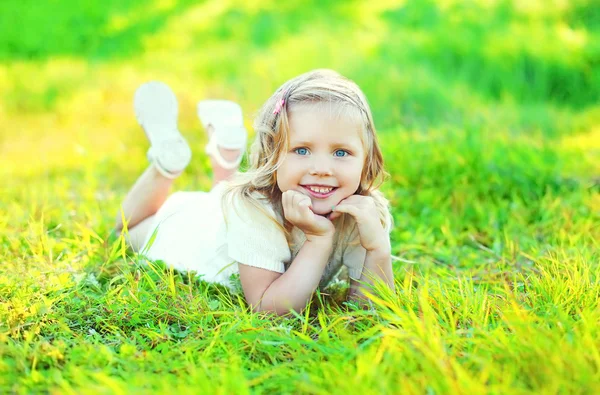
[(319, 191)]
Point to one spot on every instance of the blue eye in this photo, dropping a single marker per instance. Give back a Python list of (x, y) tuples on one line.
[(340, 153), (301, 151)]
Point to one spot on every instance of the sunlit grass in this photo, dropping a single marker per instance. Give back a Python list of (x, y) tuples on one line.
[(488, 117)]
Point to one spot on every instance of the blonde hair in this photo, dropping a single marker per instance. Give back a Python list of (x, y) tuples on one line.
[(272, 138)]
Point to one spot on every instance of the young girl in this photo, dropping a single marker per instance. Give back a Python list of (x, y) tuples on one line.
[(307, 205)]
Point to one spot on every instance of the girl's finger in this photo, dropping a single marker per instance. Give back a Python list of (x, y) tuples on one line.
[(305, 211), (293, 198), (284, 198), (305, 202), (288, 204), (299, 199), (348, 209), (333, 215)]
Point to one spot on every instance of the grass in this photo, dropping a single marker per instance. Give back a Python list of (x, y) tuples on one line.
[(488, 115)]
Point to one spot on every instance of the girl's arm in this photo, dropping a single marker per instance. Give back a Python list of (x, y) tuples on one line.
[(374, 239), (266, 290), (281, 292), (378, 267)]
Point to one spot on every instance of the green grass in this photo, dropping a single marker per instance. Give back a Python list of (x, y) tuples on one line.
[(488, 114)]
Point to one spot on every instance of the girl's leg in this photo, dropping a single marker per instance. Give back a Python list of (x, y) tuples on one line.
[(137, 236), (156, 111), (230, 155), (150, 192), (224, 123), (144, 199)]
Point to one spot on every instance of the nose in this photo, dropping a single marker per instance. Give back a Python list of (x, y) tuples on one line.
[(321, 166)]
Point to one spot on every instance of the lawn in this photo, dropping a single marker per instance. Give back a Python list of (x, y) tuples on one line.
[(489, 117)]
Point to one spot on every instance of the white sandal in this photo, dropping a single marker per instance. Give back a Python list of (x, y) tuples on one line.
[(228, 129), (156, 111)]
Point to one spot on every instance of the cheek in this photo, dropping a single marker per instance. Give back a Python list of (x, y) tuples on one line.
[(352, 176), (280, 179), (284, 175), (357, 172), (279, 176)]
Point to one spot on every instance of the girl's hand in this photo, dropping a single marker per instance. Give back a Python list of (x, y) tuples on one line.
[(362, 208), (296, 209)]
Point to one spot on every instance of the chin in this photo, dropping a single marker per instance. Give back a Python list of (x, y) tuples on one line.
[(322, 211), (321, 208)]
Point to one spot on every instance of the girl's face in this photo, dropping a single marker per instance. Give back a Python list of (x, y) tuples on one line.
[(325, 159)]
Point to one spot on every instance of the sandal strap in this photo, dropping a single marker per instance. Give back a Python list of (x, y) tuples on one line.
[(213, 150), (157, 165), (170, 157)]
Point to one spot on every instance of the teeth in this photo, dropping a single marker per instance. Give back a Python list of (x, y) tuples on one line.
[(321, 189)]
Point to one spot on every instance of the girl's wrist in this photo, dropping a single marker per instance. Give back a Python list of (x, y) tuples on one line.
[(325, 239), (380, 242), (320, 246), (380, 250)]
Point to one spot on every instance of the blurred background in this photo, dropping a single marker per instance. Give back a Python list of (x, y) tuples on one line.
[(488, 114), (484, 107)]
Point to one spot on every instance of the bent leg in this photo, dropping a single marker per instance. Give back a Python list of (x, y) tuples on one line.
[(137, 235), (219, 173), (230, 155), (224, 123), (144, 199), (156, 110)]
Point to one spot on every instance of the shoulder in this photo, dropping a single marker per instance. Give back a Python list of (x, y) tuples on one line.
[(251, 219), (251, 208), (255, 237)]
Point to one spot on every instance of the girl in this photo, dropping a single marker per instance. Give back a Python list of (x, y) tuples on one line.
[(307, 205)]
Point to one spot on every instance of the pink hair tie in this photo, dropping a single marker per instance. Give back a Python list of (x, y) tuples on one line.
[(279, 106), (280, 103)]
